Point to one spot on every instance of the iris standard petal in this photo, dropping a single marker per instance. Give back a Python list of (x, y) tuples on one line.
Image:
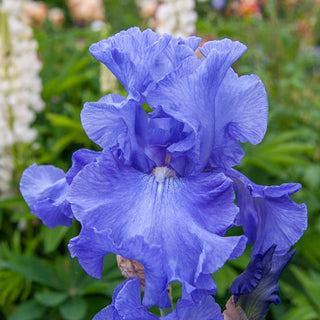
[(241, 114), (190, 97), (224, 45), (44, 188), (255, 300), (118, 124), (140, 58), (184, 217), (268, 214), (126, 304)]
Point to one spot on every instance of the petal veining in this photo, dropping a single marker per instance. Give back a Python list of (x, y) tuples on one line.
[(44, 188), (190, 98), (184, 217), (241, 114)]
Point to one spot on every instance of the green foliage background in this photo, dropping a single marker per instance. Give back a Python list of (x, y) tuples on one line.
[(39, 280)]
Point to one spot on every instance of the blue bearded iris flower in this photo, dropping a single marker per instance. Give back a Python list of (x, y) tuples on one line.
[(162, 190)]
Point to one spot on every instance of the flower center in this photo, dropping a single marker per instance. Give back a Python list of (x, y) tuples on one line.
[(161, 173)]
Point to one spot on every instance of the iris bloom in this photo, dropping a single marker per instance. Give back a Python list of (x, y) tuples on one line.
[(162, 190)]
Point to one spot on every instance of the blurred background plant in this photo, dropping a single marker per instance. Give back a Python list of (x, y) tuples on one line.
[(37, 277)]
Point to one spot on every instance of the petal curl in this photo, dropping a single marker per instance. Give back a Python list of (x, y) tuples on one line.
[(92, 245), (120, 125), (80, 159), (263, 272), (44, 188), (224, 45), (268, 215), (190, 97), (241, 113), (184, 217), (140, 58)]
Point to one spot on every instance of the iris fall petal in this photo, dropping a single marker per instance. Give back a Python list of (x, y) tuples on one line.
[(184, 217)]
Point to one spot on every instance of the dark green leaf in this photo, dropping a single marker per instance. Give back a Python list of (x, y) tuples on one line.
[(32, 268), (51, 298), (30, 310), (74, 308), (53, 237)]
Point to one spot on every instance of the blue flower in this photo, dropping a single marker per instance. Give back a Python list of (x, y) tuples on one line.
[(164, 160), (257, 287), (126, 304), (162, 190)]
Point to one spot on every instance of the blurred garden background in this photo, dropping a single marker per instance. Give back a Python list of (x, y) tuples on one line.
[(46, 75)]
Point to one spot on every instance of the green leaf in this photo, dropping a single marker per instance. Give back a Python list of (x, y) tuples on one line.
[(68, 139), (53, 237), (10, 203), (58, 120), (74, 308), (51, 298), (30, 310), (12, 285), (311, 283), (32, 268), (224, 278)]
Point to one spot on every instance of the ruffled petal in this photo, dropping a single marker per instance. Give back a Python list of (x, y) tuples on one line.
[(257, 287), (120, 125), (268, 215), (189, 97), (126, 304), (241, 113), (44, 188), (80, 159), (224, 45), (92, 245), (138, 59), (184, 217)]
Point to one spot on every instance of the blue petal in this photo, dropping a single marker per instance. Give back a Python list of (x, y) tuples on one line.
[(241, 113), (268, 215), (162, 135), (184, 217), (224, 45), (206, 309), (107, 313), (138, 59), (120, 125), (262, 274), (189, 97), (126, 304), (44, 189), (80, 159), (92, 245)]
